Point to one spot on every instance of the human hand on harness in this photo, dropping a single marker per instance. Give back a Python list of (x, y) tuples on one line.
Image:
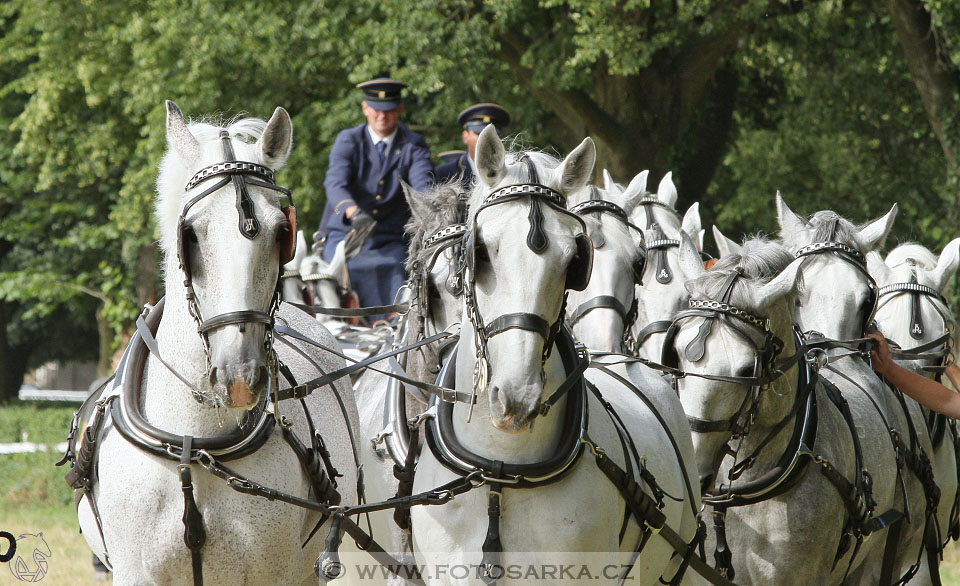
[(362, 225), (880, 354)]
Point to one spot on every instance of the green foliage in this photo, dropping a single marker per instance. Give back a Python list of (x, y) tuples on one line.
[(825, 110)]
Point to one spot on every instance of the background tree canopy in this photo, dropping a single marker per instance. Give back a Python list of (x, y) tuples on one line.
[(838, 104)]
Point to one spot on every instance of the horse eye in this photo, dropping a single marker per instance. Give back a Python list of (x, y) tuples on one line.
[(283, 231), (480, 253), (745, 371), (797, 302)]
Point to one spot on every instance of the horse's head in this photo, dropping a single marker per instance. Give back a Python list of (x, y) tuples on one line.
[(663, 293), (839, 295), (434, 259), (654, 208), (325, 280), (737, 322), (523, 251), (601, 312), (911, 310), (227, 229)]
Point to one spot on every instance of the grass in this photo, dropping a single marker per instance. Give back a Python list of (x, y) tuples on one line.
[(34, 498)]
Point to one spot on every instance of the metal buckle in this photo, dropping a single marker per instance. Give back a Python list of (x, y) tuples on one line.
[(300, 391)]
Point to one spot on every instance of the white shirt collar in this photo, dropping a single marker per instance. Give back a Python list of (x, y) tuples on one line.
[(376, 137)]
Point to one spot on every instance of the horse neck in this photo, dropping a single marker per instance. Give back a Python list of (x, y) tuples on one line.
[(534, 444), (165, 401)]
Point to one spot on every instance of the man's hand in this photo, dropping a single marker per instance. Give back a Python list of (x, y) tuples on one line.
[(362, 225), (880, 353)]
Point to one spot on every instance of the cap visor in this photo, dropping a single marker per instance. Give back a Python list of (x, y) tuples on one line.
[(479, 126), (383, 105)]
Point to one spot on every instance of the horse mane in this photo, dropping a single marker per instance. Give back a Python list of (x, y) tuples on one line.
[(920, 255), (174, 172), (444, 198), (760, 260)]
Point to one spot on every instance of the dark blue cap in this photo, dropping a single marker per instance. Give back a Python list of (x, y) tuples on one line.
[(382, 93), (478, 116)]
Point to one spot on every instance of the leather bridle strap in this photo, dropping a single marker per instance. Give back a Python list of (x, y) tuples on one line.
[(599, 302), (352, 312), (236, 317), (519, 321), (654, 327)]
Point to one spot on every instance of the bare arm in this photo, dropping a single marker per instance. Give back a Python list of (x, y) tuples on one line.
[(925, 391)]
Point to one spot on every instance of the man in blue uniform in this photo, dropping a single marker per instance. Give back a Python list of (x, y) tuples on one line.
[(473, 120), (363, 187)]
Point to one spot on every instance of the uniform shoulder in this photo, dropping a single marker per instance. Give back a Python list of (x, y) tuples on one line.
[(411, 136)]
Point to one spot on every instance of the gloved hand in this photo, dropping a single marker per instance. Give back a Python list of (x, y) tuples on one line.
[(362, 225)]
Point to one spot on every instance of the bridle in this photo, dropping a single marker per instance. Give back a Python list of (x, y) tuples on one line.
[(628, 316), (242, 174), (746, 325), (578, 275), (855, 258), (917, 327)]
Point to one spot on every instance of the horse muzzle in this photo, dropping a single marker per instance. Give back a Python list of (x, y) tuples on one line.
[(239, 385), (513, 414)]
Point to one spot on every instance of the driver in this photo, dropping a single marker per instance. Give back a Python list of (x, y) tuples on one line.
[(363, 191)]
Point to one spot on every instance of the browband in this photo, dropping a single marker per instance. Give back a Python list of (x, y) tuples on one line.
[(835, 246), (912, 288)]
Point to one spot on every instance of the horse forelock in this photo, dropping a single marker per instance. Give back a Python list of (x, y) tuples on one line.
[(760, 260), (827, 226), (174, 172), (921, 256), (517, 173), (445, 199)]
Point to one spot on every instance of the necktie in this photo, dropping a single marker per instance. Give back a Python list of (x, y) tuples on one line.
[(381, 150)]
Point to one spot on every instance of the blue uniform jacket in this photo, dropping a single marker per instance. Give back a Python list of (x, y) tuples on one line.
[(455, 169), (356, 176)]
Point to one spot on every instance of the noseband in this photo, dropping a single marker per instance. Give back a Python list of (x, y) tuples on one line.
[(577, 274), (241, 174)]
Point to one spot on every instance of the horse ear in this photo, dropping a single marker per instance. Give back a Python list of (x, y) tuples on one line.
[(725, 246), (873, 234), (878, 269), (792, 226), (490, 157), (947, 265), (299, 254), (179, 137), (419, 206), (690, 262), (608, 183), (667, 191), (635, 191), (277, 140), (575, 170), (691, 223), (783, 283), (339, 258)]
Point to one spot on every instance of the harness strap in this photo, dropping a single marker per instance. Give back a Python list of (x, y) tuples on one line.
[(598, 302), (655, 327), (352, 312), (519, 321), (194, 535), (490, 564)]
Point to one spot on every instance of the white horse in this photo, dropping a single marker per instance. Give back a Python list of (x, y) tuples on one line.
[(783, 522), (325, 280), (533, 489), (432, 264), (912, 313), (211, 390), (837, 301), (662, 293), (605, 310)]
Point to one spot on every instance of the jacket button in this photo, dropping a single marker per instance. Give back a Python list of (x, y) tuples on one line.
[(378, 198), (375, 212), (381, 182)]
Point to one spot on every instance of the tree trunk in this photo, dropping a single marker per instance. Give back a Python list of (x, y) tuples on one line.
[(13, 359), (935, 76)]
